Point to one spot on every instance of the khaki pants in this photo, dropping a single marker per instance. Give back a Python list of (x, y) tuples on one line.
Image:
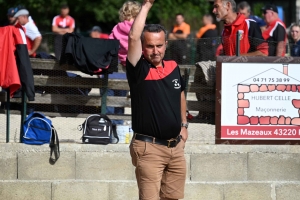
[(160, 171)]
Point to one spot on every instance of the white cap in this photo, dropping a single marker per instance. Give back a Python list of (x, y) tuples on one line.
[(21, 12)]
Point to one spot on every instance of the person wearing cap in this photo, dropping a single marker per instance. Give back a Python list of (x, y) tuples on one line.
[(275, 33), (251, 40), (33, 36), (10, 16), (96, 32), (61, 24)]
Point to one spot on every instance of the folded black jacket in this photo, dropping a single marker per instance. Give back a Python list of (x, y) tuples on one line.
[(90, 55)]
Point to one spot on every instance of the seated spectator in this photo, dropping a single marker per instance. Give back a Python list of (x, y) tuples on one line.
[(295, 35), (127, 14), (207, 39), (33, 36), (179, 34), (62, 24), (96, 32)]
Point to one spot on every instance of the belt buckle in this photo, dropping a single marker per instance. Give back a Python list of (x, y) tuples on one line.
[(169, 142)]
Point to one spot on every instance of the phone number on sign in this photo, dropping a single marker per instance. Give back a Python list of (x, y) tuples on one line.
[(275, 80)]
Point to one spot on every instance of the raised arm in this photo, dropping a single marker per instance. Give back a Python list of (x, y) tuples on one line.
[(134, 39)]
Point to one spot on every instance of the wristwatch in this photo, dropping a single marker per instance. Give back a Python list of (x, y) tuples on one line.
[(186, 125)]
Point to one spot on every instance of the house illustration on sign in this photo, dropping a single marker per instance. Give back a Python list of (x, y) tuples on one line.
[(269, 98)]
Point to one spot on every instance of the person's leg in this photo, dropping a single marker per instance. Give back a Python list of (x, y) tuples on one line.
[(173, 181), (150, 161)]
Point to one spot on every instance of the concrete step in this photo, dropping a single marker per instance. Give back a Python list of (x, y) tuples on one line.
[(113, 162), (67, 130), (120, 190)]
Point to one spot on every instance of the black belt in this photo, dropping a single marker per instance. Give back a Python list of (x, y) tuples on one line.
[(169, 143)]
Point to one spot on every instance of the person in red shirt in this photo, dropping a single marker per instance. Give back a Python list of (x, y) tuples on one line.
[(275, 32), (251, 40), (62, 24), (96, 32), (33, 36)]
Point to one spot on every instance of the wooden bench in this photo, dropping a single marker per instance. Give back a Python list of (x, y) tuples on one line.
[(98, 103)]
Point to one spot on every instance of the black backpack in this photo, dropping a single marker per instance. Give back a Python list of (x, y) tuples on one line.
[(98, 129)]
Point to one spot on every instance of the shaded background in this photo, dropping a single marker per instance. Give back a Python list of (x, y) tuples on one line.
[(104, 13)]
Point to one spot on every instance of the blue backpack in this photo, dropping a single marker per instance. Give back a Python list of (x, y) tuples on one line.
[(38, 130)]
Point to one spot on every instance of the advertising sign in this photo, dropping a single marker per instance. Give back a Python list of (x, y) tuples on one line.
[(260, 101)]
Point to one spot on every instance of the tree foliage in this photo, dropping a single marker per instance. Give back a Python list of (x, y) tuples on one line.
[(88, 13)]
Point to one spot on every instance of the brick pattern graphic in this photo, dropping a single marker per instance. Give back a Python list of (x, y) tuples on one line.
[(265, 120)]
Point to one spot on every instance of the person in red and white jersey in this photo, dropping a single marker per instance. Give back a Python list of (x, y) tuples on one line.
[(33, 35), (61, 25), (275, 32)]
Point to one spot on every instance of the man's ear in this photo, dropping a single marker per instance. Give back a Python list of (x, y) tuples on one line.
[(166, 43), (228, 4)]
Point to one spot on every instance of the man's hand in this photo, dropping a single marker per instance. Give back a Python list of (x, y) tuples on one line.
[(150, 1), (172, 36), (184, 134)]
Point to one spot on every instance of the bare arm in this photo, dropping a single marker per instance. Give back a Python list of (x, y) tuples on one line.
[(280, 48), (36, 43), (62, 31), (184, 132), (255, 53), (134, 39)]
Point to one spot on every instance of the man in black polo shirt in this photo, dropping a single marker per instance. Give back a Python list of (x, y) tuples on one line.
[(158, 112)]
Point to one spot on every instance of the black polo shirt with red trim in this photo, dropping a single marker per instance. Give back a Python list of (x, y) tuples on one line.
[(274, 33), (155, 98)]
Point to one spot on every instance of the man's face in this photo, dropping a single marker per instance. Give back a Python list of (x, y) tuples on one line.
[(11, 19), (95, 34), (295, 33), (179, 19), (220, 10), (23, 19), (154, 47), (268, 15), (64, 12), (245, 12)]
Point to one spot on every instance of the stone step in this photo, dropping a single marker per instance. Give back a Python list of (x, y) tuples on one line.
[(120, 190), (67, 130), (113, 162)]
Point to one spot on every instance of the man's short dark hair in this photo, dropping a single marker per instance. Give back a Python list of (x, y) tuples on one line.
[(179, 14), (64, 6), (209, 16), (244, 4), (153, 28)]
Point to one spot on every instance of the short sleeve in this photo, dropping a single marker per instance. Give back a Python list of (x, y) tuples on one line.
[(32, 31), (138, 73), (72, 23), (279, 33), (54, 21)]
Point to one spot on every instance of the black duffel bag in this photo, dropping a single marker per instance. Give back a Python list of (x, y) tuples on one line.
[(98, 129)]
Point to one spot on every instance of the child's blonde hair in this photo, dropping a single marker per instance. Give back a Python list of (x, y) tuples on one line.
[(129, 10)]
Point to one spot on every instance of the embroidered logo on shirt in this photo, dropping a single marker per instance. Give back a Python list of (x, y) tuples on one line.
[(176, 84)]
